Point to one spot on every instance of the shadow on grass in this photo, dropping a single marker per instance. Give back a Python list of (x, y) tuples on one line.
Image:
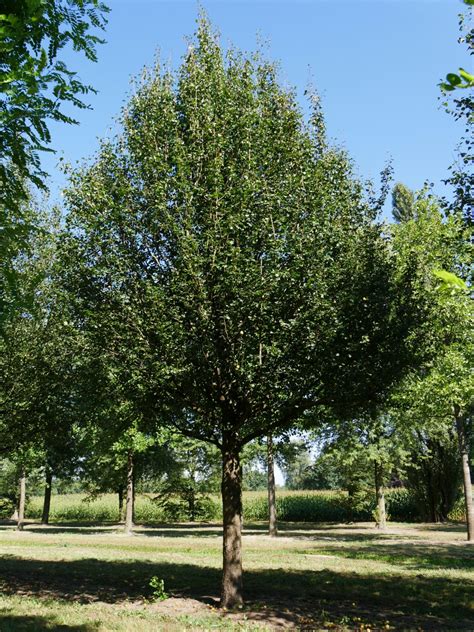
[(407, 555), (67, 530), (61, 527), (360, 532), (304, 530), (311, 596), (164, 532), (35, 623)]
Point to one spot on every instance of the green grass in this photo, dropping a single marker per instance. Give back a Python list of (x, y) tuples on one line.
[(313, 576)]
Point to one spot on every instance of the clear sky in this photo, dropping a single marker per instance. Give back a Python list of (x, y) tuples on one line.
[(376, 64)]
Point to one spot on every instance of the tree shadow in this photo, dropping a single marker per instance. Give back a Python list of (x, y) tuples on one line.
[(76, 530), (34, 623), (58, 527), (409, 555), (303, 531), (309, 597), (363, 531), (356, 532)]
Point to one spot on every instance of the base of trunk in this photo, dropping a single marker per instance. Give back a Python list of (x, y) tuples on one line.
[(231, 592)]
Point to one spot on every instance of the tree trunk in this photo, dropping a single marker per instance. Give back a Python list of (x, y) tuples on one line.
[(231, 594), (350, 503), (22, 501), (47, 496), (192, 506), (466, 472), (120, 504), (130, 496), (380, 494), (431, 496), (134, 476), (272, 514)]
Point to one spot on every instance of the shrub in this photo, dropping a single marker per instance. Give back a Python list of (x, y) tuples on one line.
[(158, 585), (458, 512)]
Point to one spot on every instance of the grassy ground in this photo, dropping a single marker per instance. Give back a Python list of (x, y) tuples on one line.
[(92, 578)]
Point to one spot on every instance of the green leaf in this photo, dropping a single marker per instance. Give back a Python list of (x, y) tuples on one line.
[(450, 279), (466, 76), (453, 78)]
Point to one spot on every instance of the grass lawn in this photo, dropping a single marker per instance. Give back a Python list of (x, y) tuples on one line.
[(334, 577)]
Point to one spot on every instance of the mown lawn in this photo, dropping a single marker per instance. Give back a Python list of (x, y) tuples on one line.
[(93, 578)]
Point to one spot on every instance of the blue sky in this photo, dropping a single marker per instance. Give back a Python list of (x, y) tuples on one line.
[(376, 64)]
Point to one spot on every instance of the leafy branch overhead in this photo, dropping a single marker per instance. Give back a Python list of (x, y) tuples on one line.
[(35, 82)]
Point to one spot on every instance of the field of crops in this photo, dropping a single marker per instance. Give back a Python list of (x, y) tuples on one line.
[(292, 506)]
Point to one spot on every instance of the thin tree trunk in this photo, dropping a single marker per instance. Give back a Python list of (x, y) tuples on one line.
[(231, 594), (130, 496), (22, 501), (192, 506), (350, 503), (380, 494), (272, 513), (466, 473), (431, 496), (120, 504), (47, 496), (134, 492)]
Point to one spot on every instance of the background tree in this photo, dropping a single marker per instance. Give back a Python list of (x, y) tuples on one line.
[(439, 398), (303, 472), (403, 203), (192, 473), (37, 356), (433, 473)]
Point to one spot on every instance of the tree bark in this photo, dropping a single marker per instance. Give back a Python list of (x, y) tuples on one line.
[(272, 513), (120, 504), (47, 496), (380, 494), (129, 502), (466, 472), (134, 492), (22, 501), (231, 592)]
